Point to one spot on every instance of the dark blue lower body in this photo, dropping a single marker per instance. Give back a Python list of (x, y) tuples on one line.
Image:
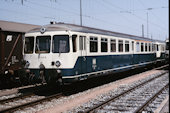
[(87, 67)]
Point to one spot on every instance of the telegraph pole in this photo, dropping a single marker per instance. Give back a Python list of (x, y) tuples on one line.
[(22, 1), (142, 30), (80, 12), (147, 26)]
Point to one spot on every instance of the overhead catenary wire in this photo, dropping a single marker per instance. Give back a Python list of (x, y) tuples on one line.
[(163, 29), (122, 9), (91, 17), (77, 14), (123, 17), (152, 9)]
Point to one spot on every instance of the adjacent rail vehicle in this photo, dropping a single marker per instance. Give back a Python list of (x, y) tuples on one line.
[(66, 53), (11, 47)]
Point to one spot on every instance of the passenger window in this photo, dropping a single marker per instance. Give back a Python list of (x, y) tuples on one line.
[(132, 45), (113, 45), (142, 47), (103, 45), (149, 46), (167, 45), (82, 43), (157, 47), (137, 47), (74, 39), (126, 46), (93, 44), (163, 47), (146, 47), (152, 47), (120, 45)]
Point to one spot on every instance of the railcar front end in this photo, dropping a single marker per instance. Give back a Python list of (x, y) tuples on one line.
[(47, 56)]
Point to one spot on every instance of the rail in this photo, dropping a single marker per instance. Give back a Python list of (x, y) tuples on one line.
[(12, 109), (140, 109), (119, 95), (17, 97)]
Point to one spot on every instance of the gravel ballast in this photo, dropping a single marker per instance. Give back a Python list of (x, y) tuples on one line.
[(74, 102)]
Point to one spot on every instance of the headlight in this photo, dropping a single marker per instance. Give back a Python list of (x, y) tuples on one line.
[(42, 30), (57, 63)]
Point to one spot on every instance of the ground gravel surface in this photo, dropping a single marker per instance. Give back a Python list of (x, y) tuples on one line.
[(128, 102), (9, 96)]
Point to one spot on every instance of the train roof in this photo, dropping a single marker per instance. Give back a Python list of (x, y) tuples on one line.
[(16, 27), (85, 29)]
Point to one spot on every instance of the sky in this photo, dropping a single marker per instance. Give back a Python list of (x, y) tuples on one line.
[(124, 16)]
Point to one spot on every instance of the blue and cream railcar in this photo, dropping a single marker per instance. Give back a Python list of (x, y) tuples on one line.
[(69, 52), (167, 50)]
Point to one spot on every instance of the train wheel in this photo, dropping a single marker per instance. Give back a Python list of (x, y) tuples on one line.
[(50, 80), (23, 77), (23, 80), (60, 82)]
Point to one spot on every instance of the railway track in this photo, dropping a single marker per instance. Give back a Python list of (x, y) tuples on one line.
[(15, 98), (148, 104), (10, 107), (32, 102), (136, 99), (23, 89), (26, 96)]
